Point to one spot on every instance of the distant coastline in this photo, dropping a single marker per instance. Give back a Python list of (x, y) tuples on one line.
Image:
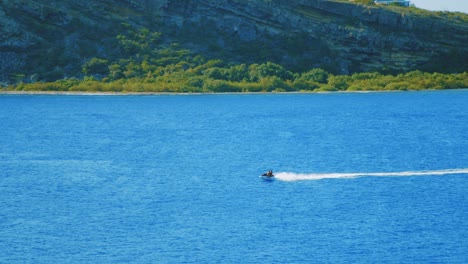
[(61, 93), (83, 93)]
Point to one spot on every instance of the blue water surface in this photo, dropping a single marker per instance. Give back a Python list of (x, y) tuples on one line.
[(174, 178)]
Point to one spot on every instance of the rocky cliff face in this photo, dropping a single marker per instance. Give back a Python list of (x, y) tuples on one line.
[(56, 37), (370, 37)]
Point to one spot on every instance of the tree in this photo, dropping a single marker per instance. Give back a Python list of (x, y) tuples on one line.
[(140, 42), (269, 69), (316, 75), (215, 73), (115, 71), (365, 2), (96, 66), (339, 82), (304, 85), (272, 83), (238, 73)]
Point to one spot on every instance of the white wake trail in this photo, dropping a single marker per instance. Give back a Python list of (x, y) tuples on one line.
[(291, 176)]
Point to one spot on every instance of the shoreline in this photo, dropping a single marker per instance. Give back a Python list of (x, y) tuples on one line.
[(157, 93), (83, 93), (168, 93)]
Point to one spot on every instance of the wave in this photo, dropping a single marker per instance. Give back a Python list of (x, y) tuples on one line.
[(291, 176)]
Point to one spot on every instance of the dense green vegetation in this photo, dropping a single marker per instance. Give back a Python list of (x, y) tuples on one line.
[(146, 64), (194, 80)]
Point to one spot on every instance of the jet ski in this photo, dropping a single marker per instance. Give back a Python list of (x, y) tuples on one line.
[(268, 175)]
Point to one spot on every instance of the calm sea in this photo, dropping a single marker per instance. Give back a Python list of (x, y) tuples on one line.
[(360, 178)]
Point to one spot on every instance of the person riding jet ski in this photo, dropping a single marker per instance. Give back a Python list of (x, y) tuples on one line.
[(268, 174)]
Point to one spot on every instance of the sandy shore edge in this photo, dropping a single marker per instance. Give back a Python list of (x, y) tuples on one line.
[(88, 93), (168, 93)]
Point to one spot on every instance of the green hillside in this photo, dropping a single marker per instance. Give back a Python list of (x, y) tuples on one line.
[(211, 46)]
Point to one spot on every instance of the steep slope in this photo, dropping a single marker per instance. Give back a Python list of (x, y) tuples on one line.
[(47, 40)]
